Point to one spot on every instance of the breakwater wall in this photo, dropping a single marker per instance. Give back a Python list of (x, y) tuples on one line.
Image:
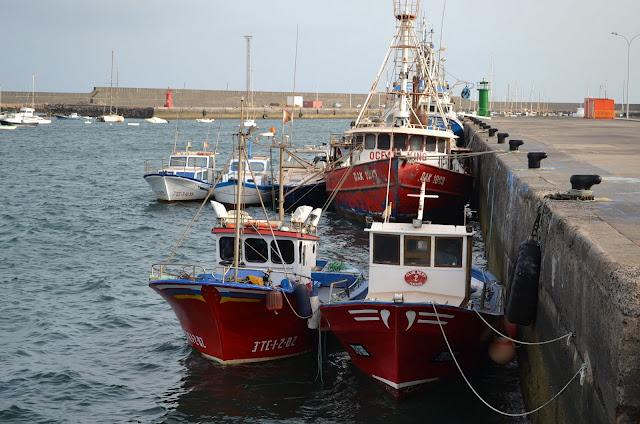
[(590, 269)]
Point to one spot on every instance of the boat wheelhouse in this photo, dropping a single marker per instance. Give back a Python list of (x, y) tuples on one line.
[(258, 183), (189, 175)]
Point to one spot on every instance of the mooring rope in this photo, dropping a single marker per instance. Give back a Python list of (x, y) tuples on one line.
[(580, 371), (566, 336)]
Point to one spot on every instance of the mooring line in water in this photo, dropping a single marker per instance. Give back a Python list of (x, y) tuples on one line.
[(566, 336), (581, 372)]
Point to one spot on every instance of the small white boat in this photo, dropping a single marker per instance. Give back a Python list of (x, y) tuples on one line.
[(24, 117), (205, 120), (8, 127), (156, 120), (257, 182), (72, 115), (133, 124), (249, 123), (188, 176), (112, 117)]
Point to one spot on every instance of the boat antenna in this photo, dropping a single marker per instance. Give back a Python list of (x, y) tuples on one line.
[(293, 91), (240, 183), (444, 8), (418, 221)]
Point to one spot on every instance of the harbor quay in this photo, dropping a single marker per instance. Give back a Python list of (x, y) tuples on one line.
[(141, 103), (590, 257)]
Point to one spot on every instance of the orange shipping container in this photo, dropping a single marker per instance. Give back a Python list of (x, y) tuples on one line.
[(599, 108)]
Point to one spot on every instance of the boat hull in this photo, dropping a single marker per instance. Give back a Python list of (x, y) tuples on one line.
[(402, 345), (230, 323), (225, 192), (364, 190), (313, 194), (19, 122), (110, 118), (177, 188)]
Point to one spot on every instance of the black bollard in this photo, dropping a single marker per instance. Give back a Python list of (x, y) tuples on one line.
[(502, 137), (584, 182), (514, 145), (535, 158), (492, 131)]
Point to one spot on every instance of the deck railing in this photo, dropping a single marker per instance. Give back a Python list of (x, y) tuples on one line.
[(164, 271)]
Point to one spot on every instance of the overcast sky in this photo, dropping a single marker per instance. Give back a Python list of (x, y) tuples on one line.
[(563, 48)]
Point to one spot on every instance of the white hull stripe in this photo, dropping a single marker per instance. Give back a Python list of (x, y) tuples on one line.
[(363, 311), (428, 321), (403, 385), (367, 318), (431, 314)]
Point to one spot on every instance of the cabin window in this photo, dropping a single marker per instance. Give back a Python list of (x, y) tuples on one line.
[(234, 166), (399, 141), (432, 108), (178, 161), (370, 141), (257, 166), (386, 249), (225, 247), (431, 144), (359, 140), (442, 145), (415, 143), (256, 250), (448, 252), (417, 251), (201, 162), (300, 253), (384, 141), (286, 248), (205, 175)]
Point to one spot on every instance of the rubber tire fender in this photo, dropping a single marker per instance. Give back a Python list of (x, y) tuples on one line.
[(303, 303), (522, 300)]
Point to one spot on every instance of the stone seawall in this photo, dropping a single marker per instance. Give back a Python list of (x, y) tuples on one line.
[(590, 272)]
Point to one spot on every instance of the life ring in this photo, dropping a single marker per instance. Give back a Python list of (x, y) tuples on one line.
[(300, 114), (264, 116)]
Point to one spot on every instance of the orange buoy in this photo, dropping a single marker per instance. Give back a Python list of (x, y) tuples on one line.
[(274, 300), (272, 130), (501, 350)]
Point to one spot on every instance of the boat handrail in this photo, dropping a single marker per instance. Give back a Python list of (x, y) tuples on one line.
[(176, 271), (152, 166)]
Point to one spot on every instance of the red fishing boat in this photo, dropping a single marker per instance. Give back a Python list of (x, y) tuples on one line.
[(421, 312), (389, 152), (260, 300)]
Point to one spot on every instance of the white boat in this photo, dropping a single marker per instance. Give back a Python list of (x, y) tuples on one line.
[(156, 120), (189, 175), (249, 123), (205, 120), (24, 117), (134, 124), (8, 127), (257, 182), (111, 116), (72, 115)]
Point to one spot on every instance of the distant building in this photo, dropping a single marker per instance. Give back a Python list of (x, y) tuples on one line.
[(294, 101), (316, 104)]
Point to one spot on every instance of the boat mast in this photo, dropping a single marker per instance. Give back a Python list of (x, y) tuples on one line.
[(249, 94), (240, 183), (405, 15), (33, 91), (111, 87), (281, 182)]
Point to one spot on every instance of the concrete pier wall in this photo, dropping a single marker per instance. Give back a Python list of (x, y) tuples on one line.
[(590, 274)]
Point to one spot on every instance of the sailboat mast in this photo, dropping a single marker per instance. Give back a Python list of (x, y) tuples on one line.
[(33, 91), (248, 94), (111, 87), (240, 183)]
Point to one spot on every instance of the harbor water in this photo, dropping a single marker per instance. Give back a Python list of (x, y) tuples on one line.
[(83, 338)]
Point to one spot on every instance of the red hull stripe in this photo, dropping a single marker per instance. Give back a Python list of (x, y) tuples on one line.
[(266, 232)]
